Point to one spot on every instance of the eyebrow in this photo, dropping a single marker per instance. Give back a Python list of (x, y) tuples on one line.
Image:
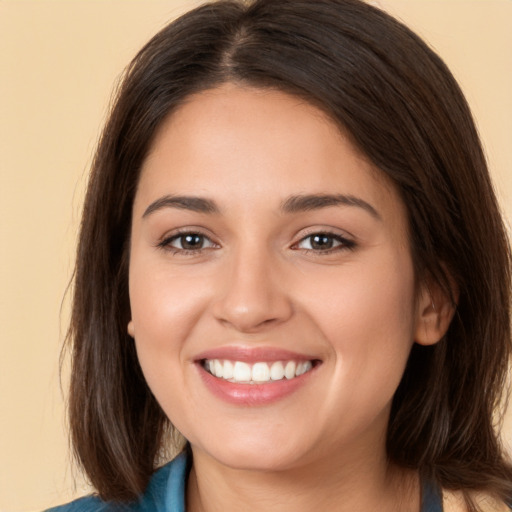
[(293, 204), (194, 204), (304, 203)]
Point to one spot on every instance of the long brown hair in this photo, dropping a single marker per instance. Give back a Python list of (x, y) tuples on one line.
[(404, 110)]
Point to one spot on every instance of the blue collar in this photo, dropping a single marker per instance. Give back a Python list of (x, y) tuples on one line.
[(431, 497), (166, 489)]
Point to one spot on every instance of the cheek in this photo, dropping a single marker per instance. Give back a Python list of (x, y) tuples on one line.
[(376, 298), (165, 309), (164, 305), (369, 321)]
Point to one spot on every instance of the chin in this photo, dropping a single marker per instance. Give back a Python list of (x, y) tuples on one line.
[(247, 459), (257, 451)]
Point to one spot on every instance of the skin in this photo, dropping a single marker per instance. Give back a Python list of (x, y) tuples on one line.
[(255, 280)]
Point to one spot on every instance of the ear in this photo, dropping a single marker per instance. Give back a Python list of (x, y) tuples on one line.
[(131, 329), (434, 313)]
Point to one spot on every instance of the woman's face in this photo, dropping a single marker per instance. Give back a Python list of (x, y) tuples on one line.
[(271, 283)]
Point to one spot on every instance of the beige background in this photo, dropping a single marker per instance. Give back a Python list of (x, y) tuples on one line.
[(58, 62)]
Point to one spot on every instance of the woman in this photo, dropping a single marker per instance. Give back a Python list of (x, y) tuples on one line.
[(292, 255)]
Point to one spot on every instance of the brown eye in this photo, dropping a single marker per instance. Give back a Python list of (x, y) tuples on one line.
[(191, 241), (187, 242), (322, 242)]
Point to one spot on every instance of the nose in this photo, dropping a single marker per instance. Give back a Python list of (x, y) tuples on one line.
[(253, 297)]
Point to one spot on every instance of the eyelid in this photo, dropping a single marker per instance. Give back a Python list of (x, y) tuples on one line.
[(164, 242), (346, 241)]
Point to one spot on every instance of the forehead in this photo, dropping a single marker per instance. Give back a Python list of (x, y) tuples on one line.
[(239, 141)]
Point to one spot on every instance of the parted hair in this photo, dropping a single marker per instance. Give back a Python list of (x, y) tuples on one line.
[(403, 109)]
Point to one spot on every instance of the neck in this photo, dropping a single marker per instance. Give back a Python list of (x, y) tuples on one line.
[(342, 485)]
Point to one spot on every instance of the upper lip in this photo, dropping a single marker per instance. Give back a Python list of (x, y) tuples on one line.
[(253, 354)]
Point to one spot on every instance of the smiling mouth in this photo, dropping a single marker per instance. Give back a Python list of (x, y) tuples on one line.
[(240, 372)]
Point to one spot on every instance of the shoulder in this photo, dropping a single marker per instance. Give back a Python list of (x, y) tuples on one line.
[(453, 501), (165, 492), (85, 504)]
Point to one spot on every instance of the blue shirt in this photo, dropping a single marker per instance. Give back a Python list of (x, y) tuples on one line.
[(166, 493)]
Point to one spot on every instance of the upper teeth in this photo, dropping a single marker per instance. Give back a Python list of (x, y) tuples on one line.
[(241, 372)]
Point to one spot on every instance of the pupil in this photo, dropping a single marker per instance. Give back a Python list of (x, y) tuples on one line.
[(321, 242), (191, 241)]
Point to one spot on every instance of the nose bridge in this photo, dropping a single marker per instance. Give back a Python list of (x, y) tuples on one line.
[(252, 295)]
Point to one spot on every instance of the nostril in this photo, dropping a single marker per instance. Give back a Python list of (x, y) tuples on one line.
[(251, 317)]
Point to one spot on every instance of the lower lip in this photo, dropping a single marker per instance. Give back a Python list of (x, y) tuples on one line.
[(253, 394)]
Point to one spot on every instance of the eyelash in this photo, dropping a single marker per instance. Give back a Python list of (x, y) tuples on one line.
[(343, 243), (165, 244)]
